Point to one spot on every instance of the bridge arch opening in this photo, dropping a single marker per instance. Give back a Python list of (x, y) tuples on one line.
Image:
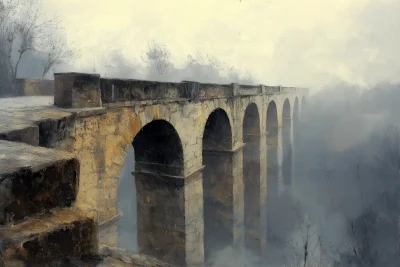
[(272, 164), (158, 163), (287, 143), (217, 183), (251, 178)]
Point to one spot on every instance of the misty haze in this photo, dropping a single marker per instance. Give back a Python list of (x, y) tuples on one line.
[(233, 133)]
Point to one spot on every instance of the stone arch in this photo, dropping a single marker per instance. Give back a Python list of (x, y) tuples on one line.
[(286, 142), (217, 183), (158, 143), (286, 109), (272, 122), (251, 178), (158, 155), (217, 131)]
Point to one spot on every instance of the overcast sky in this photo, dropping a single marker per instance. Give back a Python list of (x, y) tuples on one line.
[(289, 42)]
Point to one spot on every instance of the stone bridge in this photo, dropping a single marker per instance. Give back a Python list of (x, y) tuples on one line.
[(201, 156)]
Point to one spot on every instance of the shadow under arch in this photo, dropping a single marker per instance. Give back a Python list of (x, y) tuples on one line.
[(217, 183), (160, 217), (251, 178)]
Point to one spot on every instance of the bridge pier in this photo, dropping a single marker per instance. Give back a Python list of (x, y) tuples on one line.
[(223, 200), (160, 216), (253, 192), (263, 196), (170, 215), (274, 174), (287, 153), (279, 176)]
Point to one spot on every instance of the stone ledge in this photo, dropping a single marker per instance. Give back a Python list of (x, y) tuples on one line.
[(65, 233), (34, 180), (107, 223), (226, 151), (38, 127), (86, 112), (14, 129), (16, 156)]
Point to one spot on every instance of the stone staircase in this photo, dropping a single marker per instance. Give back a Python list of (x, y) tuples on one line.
[(38, 222)]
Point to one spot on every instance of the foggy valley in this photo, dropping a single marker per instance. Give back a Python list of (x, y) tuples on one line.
[(341, 207)]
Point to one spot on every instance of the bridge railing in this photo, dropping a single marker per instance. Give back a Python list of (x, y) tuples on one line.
[(118, 90), (250, 90), (272, 89)]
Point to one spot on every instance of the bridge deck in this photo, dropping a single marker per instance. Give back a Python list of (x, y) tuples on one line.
[(25, 102)]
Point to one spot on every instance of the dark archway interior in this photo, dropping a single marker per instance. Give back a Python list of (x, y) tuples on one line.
[(272, 164), (160, 193), (251, 178), (286, 143), (217, 184), (159, 143), (217, 132)]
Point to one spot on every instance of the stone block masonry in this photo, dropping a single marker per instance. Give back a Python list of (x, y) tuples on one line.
[(191, 158), (171, 225), (77, 90)]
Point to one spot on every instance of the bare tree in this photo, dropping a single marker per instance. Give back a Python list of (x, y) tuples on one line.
[(56, 55), (25, 28), (159, 56), (303, 247)]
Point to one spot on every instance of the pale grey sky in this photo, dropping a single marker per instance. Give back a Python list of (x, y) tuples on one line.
[(289, 42)]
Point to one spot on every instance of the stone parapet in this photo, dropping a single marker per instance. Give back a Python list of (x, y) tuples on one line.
[(85, 90), (34, 87), (77, 90)]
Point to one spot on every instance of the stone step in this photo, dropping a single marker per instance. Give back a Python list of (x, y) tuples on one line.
[(63, 234), (18, 130), (34, 180), (36, 127)]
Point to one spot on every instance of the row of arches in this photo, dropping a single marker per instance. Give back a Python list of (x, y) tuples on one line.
[(160, 192)]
